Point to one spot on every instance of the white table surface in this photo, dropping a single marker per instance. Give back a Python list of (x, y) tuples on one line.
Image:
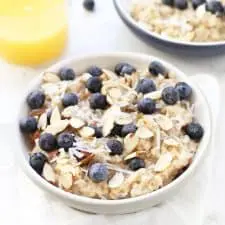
[(103, 31)]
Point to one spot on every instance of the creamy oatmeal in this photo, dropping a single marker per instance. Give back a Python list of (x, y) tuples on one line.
[(111, 134), (185, 20)]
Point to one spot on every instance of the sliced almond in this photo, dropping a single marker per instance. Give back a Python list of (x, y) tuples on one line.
[(164, 122), (123, 118), (130, 142), (114, 93), (65, 180), (171, 142), (130, 156), (42, 122), (107, 126), (55, 116), (77, 123), (85, 77), (49, 77), (155, 95), (57, 127), (110, 75), (163, 162), (86, 132), (144, 132), (69, 111), (116, 180), (86, 160), (48, 173)]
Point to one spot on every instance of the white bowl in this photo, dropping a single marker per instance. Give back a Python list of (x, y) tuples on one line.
[(202, 114)]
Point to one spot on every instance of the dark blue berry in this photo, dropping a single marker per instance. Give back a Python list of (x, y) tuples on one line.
[(194, 131), (47, 142), (69, 99), (127, 129), (215, 7), (65, 140), (146, 106), (66, 74), (116, 131), (124, 68), (89, 5), (98, 172), (28, 125), (37, 162), (94, 84), (115, 147), (145, 85), (181, 4), (136, 163), (156, 68), (197, 3), (184, 90), (98, 131), (170, 95), (168, 2), (36, 99), (98, 101), (95, 71)]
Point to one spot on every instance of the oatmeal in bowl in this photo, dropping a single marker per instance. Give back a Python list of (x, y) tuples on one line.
[(113, 130)]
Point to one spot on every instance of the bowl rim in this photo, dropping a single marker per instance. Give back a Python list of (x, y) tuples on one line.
[(126, 16), (43, 184)]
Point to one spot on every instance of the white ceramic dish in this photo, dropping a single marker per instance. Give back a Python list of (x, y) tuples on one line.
[(202, 114)]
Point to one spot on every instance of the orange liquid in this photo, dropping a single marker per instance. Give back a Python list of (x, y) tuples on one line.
[(32, 31)]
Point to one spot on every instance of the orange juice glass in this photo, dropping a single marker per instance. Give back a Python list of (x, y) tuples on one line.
[(32, 31)]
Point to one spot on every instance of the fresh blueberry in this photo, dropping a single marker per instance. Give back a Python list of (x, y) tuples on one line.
[(127, 129), (95, 71), (145, 85), (89, 5), (98, 131), (116, 147), (168, 2), (47, 142), (66, 74), (170, 95), (98, 101), (98, 172), (194, 131), (156, 68), (197, 3), (116, 131), (94, 84), (215, 7), (146, 106), (49, 114), (28, 124), (136, 163), (184, 90), (36, 99), (181, 4), (124, 68), (65, 140), (69, 99), (37, 162)]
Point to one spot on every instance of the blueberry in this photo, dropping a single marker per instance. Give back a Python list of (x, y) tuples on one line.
[(69, 99), (89, 5), (66, 74), (215, 7), (94, 84), (36, 99), (127, 129), (146, 106), (98, 172), (136, 163), (116, 147), (197, 3), (37, 162), (181, 4), (98, 101), (170, 95), (65, 140), (156, 68), (116, 131), (28, 124), (146, 85), (47, 142), (95, 71), (194, 131), (124, 68), (98, 131), (184, 90), (168, 2)]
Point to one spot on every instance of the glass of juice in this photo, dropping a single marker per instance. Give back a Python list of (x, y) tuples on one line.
[(32, 32)]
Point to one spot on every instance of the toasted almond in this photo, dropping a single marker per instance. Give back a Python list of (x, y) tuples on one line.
[(50, 77), (144, 132), (86, 160), (130, 142), (86, 132), (76, 86), (48, 173), (171, 142), (65, 180), (77, 123), (107, 126), (130, 156), (57, 127), (123, 118), (163, 162), (42, 122), (55, 117), (164, 122), (116, 180), (155, 95)]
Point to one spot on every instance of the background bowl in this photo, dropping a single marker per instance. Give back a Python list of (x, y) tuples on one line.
[(123, 8), (80, 65)]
